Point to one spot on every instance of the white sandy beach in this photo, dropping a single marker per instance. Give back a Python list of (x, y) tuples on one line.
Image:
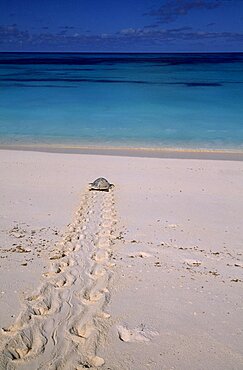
[(147, 276)]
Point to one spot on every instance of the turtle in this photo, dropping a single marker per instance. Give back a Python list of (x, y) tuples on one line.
[(101, 184)]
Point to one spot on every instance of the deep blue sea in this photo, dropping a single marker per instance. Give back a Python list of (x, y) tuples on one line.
[(130, 100)]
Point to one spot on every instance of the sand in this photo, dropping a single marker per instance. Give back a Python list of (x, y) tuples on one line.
[(147, 276)]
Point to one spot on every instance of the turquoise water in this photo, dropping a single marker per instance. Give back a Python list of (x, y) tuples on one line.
[(131, 100)]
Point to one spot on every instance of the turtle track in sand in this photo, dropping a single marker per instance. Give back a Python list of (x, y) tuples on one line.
[(62, 324)]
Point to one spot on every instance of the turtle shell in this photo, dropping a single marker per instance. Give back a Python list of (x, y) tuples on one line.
[(100, 184)]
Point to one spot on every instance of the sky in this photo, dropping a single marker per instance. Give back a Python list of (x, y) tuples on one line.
[(121, 25)]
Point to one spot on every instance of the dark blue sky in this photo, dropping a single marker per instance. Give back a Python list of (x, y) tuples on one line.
[(127, 25)]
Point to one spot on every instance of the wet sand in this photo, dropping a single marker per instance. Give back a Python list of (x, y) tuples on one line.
[(147, 276), (146, 152)]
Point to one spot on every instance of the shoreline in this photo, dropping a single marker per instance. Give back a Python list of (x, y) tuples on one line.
[(143, 152)]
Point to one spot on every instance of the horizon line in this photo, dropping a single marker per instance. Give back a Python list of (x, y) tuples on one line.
[(122, 52)]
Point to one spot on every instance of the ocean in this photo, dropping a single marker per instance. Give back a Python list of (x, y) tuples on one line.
[(186, 101)]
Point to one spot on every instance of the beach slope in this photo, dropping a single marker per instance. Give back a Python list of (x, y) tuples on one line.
[(147, 276)]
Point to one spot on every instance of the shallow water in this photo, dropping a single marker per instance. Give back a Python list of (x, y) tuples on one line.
[(131, 100)]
